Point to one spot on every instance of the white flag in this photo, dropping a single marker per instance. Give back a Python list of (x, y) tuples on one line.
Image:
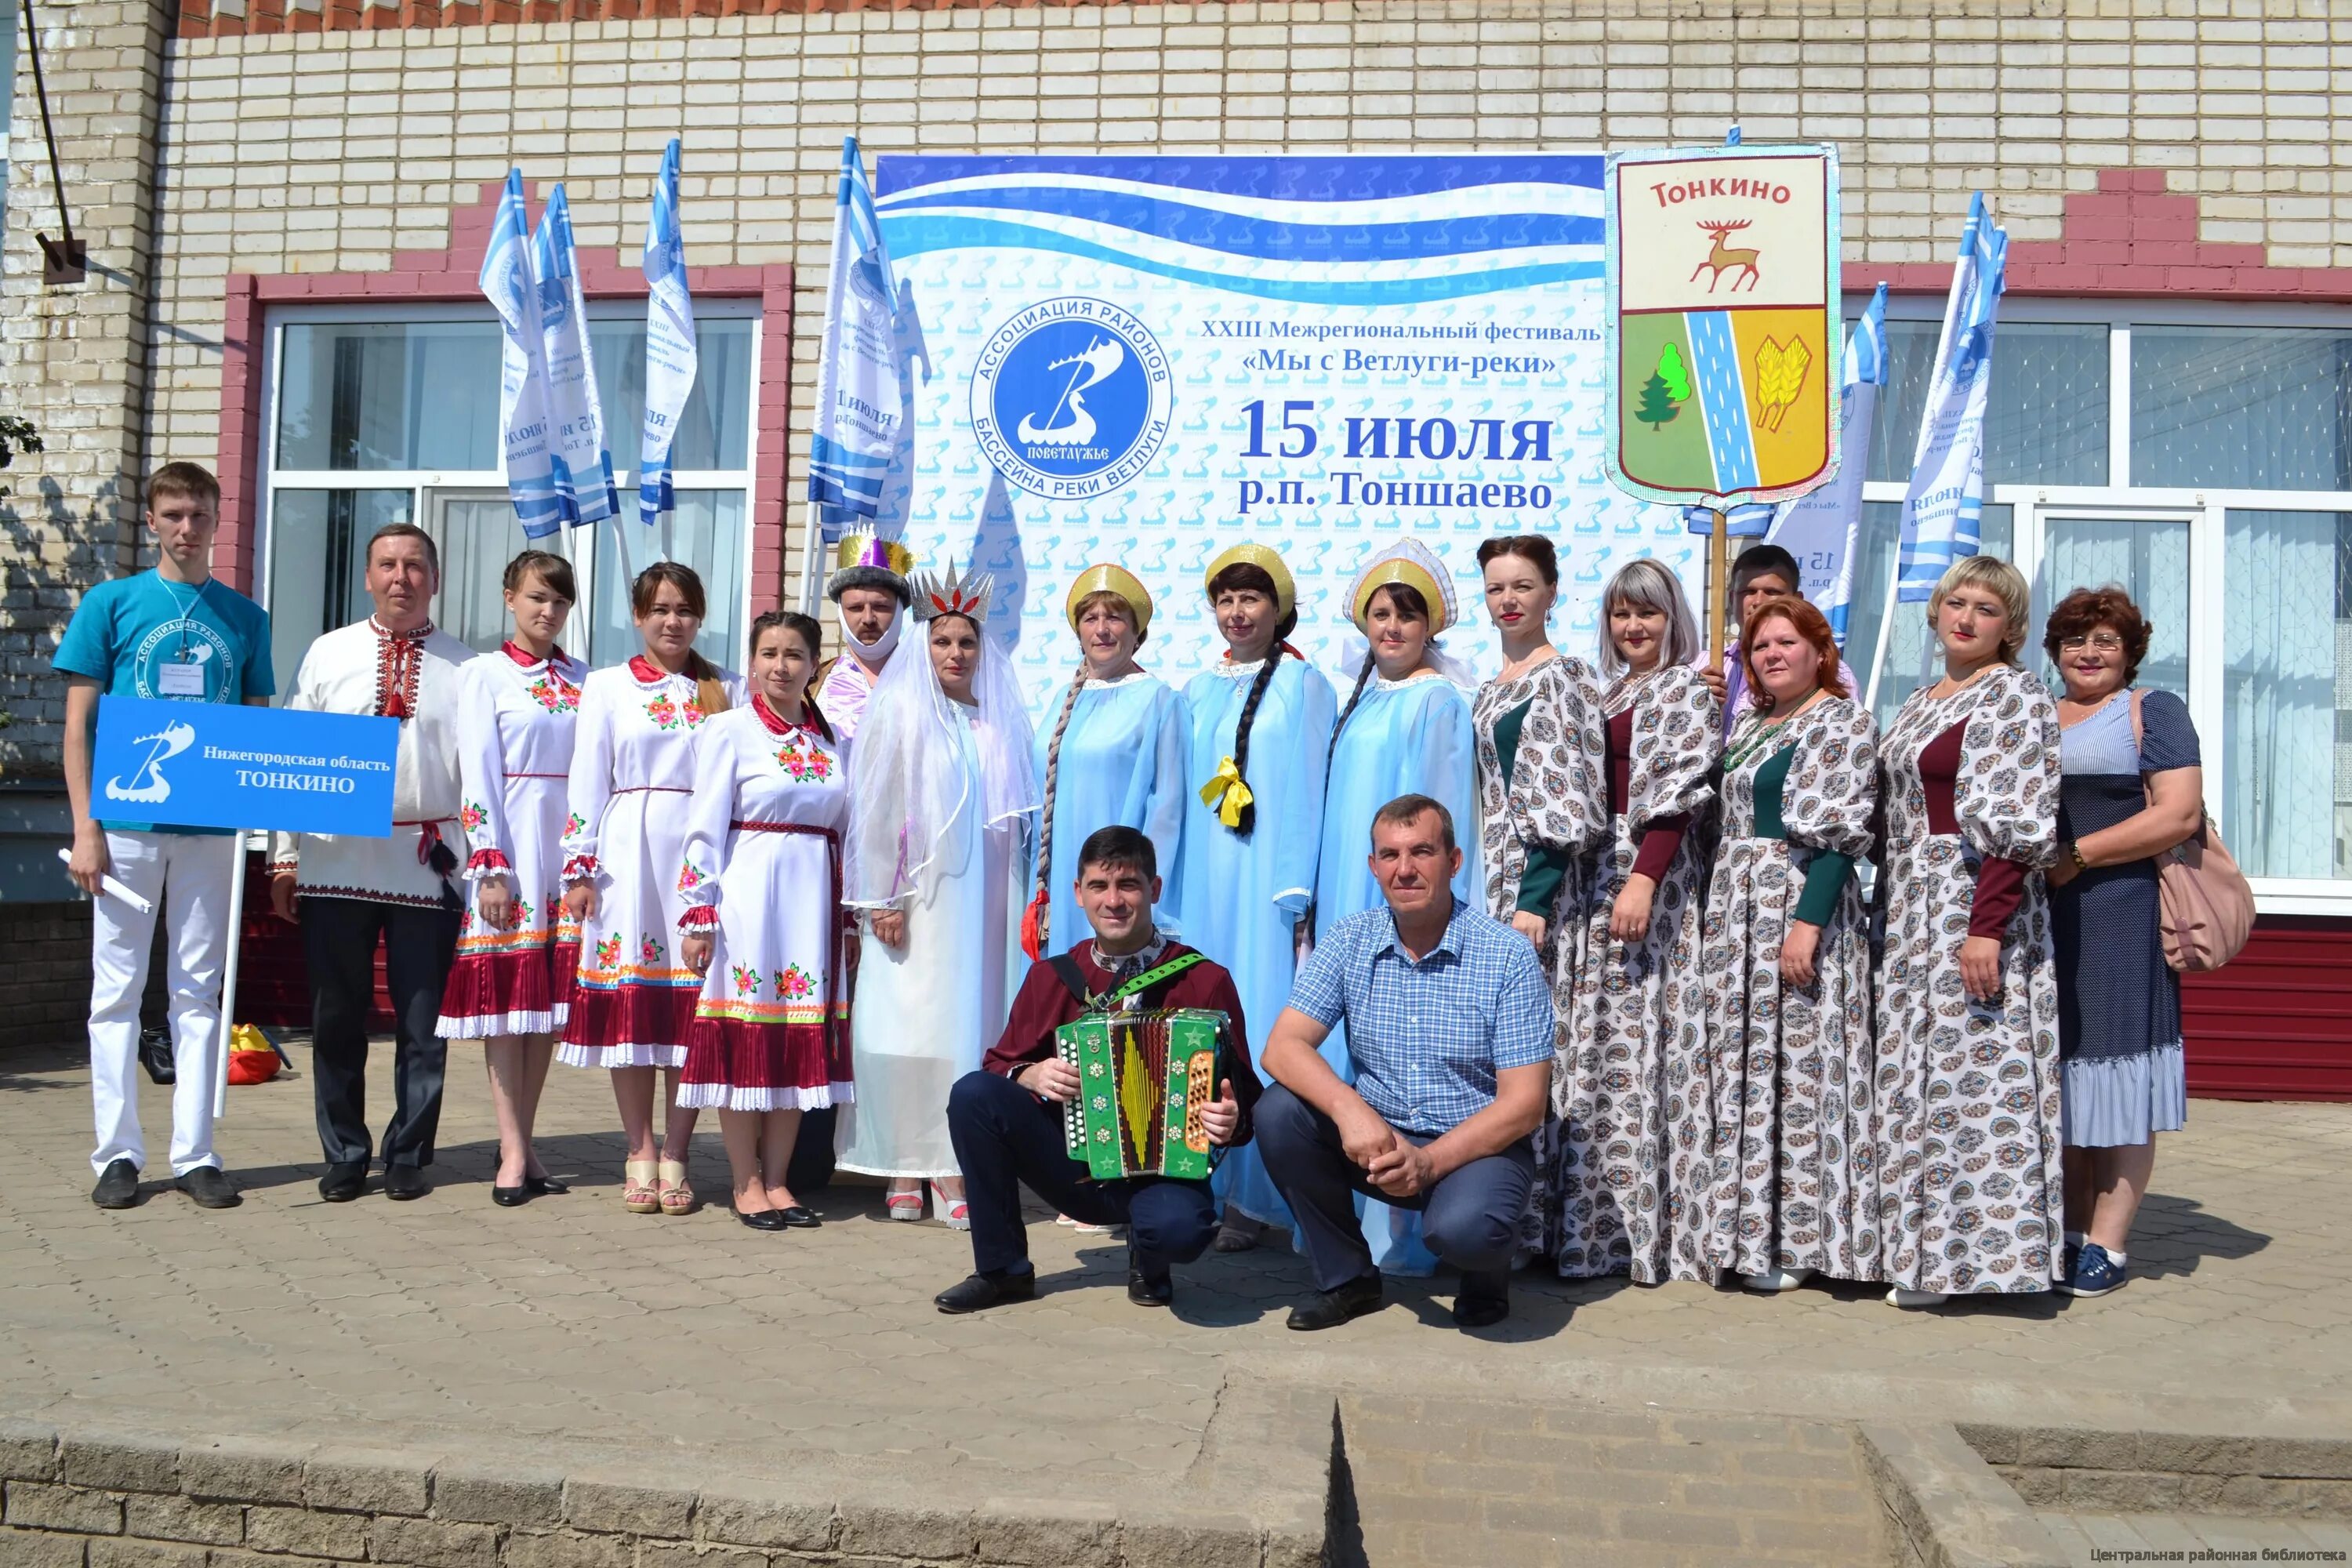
[(671, 360), (858, 391), (584, 467), (507, 281), (1823, 529), (1944, 510)]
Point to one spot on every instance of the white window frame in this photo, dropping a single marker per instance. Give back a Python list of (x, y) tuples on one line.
[(2206, 512), (417, 481)]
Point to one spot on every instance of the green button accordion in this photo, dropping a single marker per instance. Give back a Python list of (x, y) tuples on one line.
[(1144, 1081)]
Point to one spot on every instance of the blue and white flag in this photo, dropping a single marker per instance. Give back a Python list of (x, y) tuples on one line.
[(671, 360), (1824, 528), (1748, 520), (1944, 509), (858, 391), (584, 467), (506, 281)]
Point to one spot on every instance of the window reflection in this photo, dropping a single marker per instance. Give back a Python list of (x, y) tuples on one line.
[(2264, 408)]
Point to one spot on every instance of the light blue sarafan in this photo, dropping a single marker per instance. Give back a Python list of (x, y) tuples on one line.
[(1243, 895), (1122, 766), (1405, 737)]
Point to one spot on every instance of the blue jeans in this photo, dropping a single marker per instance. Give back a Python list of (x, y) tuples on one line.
[(1470, 1217), (1005, 1136)]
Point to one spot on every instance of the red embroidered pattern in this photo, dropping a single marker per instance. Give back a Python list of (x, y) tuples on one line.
[(399, 661)]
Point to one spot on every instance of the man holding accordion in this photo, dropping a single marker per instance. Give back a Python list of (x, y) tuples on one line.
[(1129, 1047)]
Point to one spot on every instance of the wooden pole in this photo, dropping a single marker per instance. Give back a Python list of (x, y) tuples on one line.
[(1719, 590)]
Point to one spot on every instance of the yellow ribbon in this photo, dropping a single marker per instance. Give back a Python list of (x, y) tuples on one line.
[(1226, 793)]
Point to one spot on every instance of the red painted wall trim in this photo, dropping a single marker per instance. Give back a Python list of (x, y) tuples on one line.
[(2128, 239), (428, 277), (2276, 1023)]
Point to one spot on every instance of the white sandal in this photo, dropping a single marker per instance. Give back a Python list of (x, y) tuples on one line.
[(907, 1206)]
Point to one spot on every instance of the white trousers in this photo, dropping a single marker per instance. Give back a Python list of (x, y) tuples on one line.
[(186, 880)]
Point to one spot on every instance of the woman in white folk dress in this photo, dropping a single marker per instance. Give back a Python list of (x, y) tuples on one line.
[(1787, 961), (510, 985), (760, 875), (1971, 1162), (943, 801), (632, 773)]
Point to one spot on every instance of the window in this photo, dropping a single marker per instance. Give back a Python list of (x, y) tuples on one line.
[(376, 417), (2200, 456)]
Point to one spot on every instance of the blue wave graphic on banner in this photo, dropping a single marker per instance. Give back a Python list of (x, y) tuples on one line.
[(1238, 235), (914, 234), (1283, 179)]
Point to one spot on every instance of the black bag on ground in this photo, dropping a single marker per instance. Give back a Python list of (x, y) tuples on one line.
[(155, 1055)]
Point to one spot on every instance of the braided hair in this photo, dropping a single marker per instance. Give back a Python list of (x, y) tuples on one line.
[(1409, 599), (1243, 577), (1054, 751)]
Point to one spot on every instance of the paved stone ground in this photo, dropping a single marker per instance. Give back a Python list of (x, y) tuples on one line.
[(1581, 1484), (2176, 1538), (571, 1324)]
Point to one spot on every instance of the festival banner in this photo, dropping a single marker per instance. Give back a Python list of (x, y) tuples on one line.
[(1943, 511), (1824, 528), (1147, 360), (507, 283), (223, 764), (858, 401), (1723, 299), (672, 358), (583, 467)]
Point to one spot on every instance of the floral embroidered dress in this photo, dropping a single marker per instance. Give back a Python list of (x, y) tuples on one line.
[(632, 773), (1969, 1162), (762, 872), (1630, 1182), (1542, 803), (515, 723), (1790, 1068)]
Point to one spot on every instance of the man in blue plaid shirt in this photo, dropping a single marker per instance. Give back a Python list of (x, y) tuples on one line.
[(1449, 1031)]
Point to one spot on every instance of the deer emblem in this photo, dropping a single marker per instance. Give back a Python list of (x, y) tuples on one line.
[(1723, 256)]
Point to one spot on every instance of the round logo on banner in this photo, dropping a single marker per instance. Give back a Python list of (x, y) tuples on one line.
[(1071, 398)]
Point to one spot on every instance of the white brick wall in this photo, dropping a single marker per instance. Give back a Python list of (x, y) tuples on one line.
[(327, 151)]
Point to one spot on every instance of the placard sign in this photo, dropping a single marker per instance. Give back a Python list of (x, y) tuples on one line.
[(218, 765), (1724, 322)]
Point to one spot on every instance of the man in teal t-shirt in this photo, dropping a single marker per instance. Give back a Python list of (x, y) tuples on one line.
[(173, 632)]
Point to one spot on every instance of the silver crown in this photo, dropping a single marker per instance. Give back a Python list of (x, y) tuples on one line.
[(952, 594)]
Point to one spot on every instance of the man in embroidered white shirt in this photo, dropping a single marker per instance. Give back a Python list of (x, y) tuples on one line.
[(352, 891)]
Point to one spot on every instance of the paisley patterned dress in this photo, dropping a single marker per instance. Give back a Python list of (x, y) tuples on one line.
[(1790, 1068), (1968, 1092), (1629, 1087), (1542, 803)]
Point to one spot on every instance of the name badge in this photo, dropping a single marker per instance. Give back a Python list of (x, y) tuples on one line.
[(180, 679)]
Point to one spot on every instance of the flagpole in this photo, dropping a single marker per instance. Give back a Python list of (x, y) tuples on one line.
[(812, 548), (229, 971), (1885, 631)]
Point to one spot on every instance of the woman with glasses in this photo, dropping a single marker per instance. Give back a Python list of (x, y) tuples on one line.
[(2131, 788)]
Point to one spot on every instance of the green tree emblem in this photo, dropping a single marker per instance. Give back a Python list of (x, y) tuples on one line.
[(1657, 406)]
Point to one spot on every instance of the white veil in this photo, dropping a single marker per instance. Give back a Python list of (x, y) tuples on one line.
[(907, 778)]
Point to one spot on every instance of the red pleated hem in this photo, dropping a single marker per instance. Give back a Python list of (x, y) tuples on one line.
[(498, 986), (730, 1055), (601, 1019)]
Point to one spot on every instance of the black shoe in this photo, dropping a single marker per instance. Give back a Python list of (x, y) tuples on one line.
[(118, 1186), (764, 1220), (544, 1187), (1146, 1291), (510, 1197), (799, 1216), (982, 1290), (209, 1188), (344, 1181), (1329, 1308), (1484, 1300), (405, 1182)]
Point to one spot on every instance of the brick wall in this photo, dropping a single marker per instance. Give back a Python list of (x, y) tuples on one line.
[(48, 986), (327, 151)]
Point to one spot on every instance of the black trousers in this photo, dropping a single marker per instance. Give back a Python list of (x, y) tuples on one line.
[(1470, 1217), (1005, 1136), (339, 938)]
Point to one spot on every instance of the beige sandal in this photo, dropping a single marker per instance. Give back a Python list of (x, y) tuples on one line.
[(637, 1194), (677, 1196)]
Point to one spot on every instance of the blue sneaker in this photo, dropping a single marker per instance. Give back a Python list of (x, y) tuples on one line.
[(2094, 1273)]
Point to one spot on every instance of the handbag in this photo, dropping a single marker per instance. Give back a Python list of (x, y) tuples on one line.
[(155, 1055), (2205, 909)]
